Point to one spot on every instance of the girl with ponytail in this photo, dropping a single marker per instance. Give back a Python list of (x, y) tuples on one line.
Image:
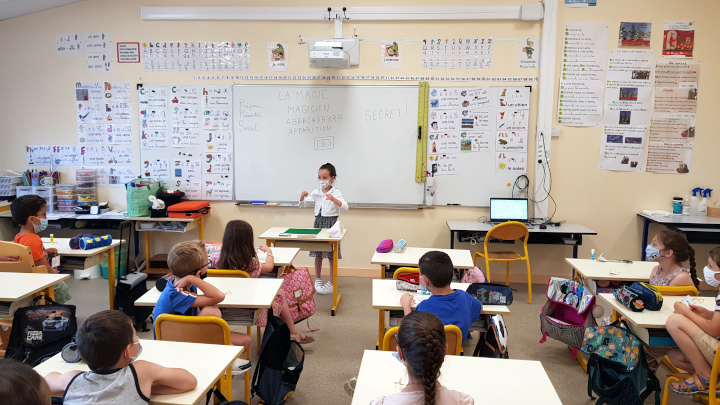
[(670, 250), (421, 347)]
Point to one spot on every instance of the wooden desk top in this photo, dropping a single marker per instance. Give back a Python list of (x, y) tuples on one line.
[(16, 286), (63, 247), (595, 270), (283, 256), (274, 234), (386, 296), (461, 258), (652, 319), (252, 293), (206, 362), (379, 371)]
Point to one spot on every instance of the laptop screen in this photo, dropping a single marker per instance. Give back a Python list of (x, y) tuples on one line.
[(508, 209)]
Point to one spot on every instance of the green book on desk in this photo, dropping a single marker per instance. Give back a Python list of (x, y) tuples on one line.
[(304, 231)]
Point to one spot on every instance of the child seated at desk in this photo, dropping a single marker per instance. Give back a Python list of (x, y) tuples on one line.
[(107, 342), (421, 346), (189, 263), (238, 253), (29, 211), (21, 385), (453, 307)]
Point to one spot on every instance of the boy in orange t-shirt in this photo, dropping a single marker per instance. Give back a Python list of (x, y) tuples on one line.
[(29, 212)]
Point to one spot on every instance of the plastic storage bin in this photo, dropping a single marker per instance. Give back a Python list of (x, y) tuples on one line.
[(120, 269), (46, 192)]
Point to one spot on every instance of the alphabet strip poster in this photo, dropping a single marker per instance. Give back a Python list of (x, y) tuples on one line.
[(180, 56), (186, 138)]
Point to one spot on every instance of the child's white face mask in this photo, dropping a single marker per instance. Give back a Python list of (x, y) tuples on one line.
[(710, 277)]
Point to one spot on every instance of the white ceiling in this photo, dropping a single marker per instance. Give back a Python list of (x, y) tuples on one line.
[(17, 8)]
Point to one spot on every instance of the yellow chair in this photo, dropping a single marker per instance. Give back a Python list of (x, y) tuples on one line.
[(507, 231), (709, 399), (200, 329), (227, 273), (453, 337), (403, 270)]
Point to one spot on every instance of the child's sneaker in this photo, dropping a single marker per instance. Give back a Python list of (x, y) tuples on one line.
[(326, 288), (318, 284), (240, 366)]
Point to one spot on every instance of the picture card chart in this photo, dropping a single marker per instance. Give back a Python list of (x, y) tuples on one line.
[(583, 74), (477, 132), (204, 56), (672, 127), (628, 94), (186, 138), (457, 53)]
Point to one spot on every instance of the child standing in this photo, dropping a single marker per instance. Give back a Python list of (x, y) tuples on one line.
[(670, 249), (421, 346), (695, 329), (29, 211), (328, 204), (188, 262), (453, 307), (238, 253), (107, 342)]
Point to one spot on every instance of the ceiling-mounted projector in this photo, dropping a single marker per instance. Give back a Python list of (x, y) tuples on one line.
[(334, 53)]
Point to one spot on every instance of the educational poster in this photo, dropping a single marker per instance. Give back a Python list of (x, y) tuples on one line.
[(635, 34), (103, 112), (685, 74), (390, 57), (443, 163), (38, 155), (99, 62), (277, 56), (457, 53), (120, 155), (118, 176), (93, 155), (511, 162), (57, 155), (179, 56), (529, 53), (91, 134), (628, 92), (474, 141), (119, 133), (98, 42), (444, 143), (580, 3), (678, 39), (186, 138), (676, 99), (583, 74), (68, 43)]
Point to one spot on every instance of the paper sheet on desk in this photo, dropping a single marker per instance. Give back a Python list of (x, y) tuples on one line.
[(418, 298), (659, 213), (262, 256)]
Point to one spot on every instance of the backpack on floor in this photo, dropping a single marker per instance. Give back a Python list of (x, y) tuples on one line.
[(567, 313), (494, 342), (280, 363), (298, 290), (614, 385), (41, 331)]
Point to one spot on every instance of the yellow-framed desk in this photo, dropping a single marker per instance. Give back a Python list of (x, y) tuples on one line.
[(206, 362), (380, 373), (92, 257), (243, 293), (322, 242), (461, 258), (192, 223), (589, 271), (386, 297), (18, 287)]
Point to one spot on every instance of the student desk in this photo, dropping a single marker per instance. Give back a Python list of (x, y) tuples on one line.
[(386, 297), (461, 258), (140, 222), (244, 293), (697, 229), (592, 270), (649, 326), (18, 286), (206, 362), (565, 234), (92, 257), (322, 242), (488, 381), (283, 256)]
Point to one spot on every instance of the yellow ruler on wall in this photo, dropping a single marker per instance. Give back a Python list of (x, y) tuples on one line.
[(421, 154)]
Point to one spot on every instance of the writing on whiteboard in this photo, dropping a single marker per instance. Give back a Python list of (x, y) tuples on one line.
[(385, 113)]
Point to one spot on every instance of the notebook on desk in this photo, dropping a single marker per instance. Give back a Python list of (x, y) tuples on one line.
[(508, 209)]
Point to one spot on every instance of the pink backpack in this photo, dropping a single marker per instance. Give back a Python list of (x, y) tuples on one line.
[(473, 276), (298, 290)]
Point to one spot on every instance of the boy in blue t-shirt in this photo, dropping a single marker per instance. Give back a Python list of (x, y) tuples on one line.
[(453, 307), (188, 262)]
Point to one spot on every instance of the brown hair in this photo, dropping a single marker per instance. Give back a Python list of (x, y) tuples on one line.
[(187, 258), (330, 168), (715, 255), (437, 267), (102, 338), (421, 338), (681, 250), (238, 250), (20, 384), (22, 208)]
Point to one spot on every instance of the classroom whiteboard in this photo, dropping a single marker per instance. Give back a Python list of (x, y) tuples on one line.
[(283, 133)]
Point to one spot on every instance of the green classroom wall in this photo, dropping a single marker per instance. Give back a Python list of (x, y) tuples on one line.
[(37, 108)]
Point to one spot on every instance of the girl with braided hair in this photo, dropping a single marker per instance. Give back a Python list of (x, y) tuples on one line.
[(421, 347)]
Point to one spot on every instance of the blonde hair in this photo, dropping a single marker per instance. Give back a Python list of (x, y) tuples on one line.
[(186, 258)]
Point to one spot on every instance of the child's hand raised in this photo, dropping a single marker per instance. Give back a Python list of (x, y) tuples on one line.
[(185, 281), (303, 195)]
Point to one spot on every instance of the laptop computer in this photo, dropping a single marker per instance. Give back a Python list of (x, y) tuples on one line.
[(508, 209)]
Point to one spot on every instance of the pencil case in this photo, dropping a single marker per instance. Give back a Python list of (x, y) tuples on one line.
[(189, 209), (400, 246), (385, 246)]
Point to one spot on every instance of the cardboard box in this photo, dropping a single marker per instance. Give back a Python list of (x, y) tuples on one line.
[(713, 212)]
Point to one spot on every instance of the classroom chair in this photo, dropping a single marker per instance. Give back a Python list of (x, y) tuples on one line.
[(403, 270), (507, 231), (200, 329), (453, 337), (26, 263), (705, 398)]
